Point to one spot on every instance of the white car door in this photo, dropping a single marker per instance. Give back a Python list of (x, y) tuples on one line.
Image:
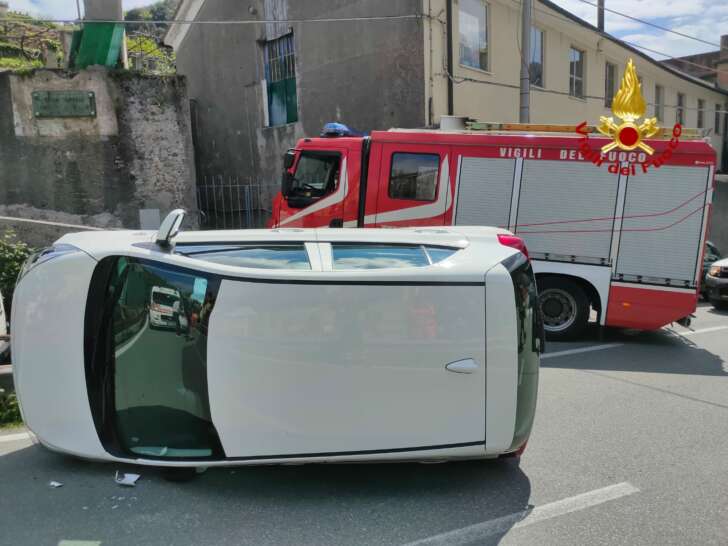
[(330, 366)]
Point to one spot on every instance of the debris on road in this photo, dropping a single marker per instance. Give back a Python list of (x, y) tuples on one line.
[(128, 480), (54, 484)]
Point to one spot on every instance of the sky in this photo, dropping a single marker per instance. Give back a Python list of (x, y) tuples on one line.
[(707, 19)]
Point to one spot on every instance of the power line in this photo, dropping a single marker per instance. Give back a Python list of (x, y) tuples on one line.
[(655, 25), (233, 21), (676, 58), (634, 44)]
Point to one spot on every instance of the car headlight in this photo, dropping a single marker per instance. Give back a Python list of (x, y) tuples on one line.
[(714, 271), (46, 255)]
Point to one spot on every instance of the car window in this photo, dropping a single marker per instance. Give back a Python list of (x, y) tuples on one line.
[(413, 176), (377, 256), (285, 256), (158, 328)]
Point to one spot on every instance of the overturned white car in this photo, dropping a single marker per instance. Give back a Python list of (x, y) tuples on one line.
[(279, 346)]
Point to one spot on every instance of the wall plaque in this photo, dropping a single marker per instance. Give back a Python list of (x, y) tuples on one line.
[(64, 104)]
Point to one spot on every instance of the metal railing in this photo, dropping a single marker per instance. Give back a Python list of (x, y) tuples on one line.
[(227, 203)]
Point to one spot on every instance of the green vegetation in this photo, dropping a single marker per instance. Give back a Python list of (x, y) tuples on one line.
[(24, 42), (147, 56), (163, 10), (13, 254), (9, 409)]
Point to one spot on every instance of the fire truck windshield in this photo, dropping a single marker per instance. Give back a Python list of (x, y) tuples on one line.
[(316, 174)]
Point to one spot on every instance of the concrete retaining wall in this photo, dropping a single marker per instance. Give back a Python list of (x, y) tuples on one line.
[(135, 154)]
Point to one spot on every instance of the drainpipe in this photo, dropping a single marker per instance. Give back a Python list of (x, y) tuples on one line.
[(524, 112), (600, 15), (450, 71)]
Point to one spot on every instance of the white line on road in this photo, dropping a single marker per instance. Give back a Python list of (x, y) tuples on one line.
[(581, 350), (703, 331), (477, 532), (16, 437)]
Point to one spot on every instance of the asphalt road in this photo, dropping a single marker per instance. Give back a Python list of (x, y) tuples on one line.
[(630, 446)]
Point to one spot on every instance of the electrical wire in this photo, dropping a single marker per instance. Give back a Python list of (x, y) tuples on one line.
[(655, 25), (234, 21), (634, 44)]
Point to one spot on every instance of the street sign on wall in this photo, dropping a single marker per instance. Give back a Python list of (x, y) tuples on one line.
[(64, 104)]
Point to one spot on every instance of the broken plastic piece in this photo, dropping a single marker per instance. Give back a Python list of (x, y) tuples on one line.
[(54, 484), (126, 479)]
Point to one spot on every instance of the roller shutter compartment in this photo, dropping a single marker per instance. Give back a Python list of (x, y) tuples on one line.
[(664, 246), (484, 192), (558, 206)]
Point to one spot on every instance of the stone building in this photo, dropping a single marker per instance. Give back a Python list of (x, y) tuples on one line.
[(257, 88)]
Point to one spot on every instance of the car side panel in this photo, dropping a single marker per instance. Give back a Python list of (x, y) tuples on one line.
[(340, 368)]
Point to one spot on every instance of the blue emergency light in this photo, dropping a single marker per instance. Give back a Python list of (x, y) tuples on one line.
[(335, 129)]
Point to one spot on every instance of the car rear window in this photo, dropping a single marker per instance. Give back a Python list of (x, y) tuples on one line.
[(376, 256), (259, 256)]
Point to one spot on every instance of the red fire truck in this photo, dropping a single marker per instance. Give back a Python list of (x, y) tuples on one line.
[(618, 233)]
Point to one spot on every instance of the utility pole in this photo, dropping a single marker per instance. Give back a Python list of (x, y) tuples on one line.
[(524, 113)]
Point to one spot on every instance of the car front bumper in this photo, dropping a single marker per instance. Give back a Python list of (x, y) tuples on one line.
[(716, 288)]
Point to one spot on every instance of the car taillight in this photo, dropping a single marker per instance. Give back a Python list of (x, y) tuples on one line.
[(513, 242)]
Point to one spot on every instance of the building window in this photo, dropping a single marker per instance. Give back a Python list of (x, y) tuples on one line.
[(474, 34), (610, 83), (701, 113), (280, 77), (659, 102), (680, 110), (535, 65), (413, 176), (717, 119), (576, 73)]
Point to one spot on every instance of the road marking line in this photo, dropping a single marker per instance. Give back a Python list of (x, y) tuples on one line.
[(133, 340), (703, 331), (477, 532), (16, 437), (581, 350)]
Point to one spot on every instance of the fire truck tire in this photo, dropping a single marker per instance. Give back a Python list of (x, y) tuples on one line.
[(564, 307)]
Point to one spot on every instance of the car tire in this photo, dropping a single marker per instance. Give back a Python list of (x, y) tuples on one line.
[(179, 474), (720, 305), (564, 308)]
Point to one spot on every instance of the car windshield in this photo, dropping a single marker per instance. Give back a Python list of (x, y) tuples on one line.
[(164, 299), (316, 174)]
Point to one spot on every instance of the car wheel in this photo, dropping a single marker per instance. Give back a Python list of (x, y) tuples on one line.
[(719, 304), (176, 474), (564, 308)]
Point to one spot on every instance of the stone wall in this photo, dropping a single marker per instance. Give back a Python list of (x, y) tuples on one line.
[(135, 154)]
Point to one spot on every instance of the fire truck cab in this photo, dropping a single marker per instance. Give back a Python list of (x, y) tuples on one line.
[(620, 234)]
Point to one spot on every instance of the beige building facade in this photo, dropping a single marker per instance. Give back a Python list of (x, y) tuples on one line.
[(575, 70)]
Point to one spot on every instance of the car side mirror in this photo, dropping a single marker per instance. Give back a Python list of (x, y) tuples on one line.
[(170, 227)]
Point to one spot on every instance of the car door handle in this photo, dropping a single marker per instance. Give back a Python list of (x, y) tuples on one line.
[(467, 365)]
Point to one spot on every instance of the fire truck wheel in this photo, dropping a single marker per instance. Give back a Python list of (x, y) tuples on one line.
[(564, 307)]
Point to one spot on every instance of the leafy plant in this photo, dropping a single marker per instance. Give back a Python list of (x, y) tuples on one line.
[(9, 409), (13, 254)]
